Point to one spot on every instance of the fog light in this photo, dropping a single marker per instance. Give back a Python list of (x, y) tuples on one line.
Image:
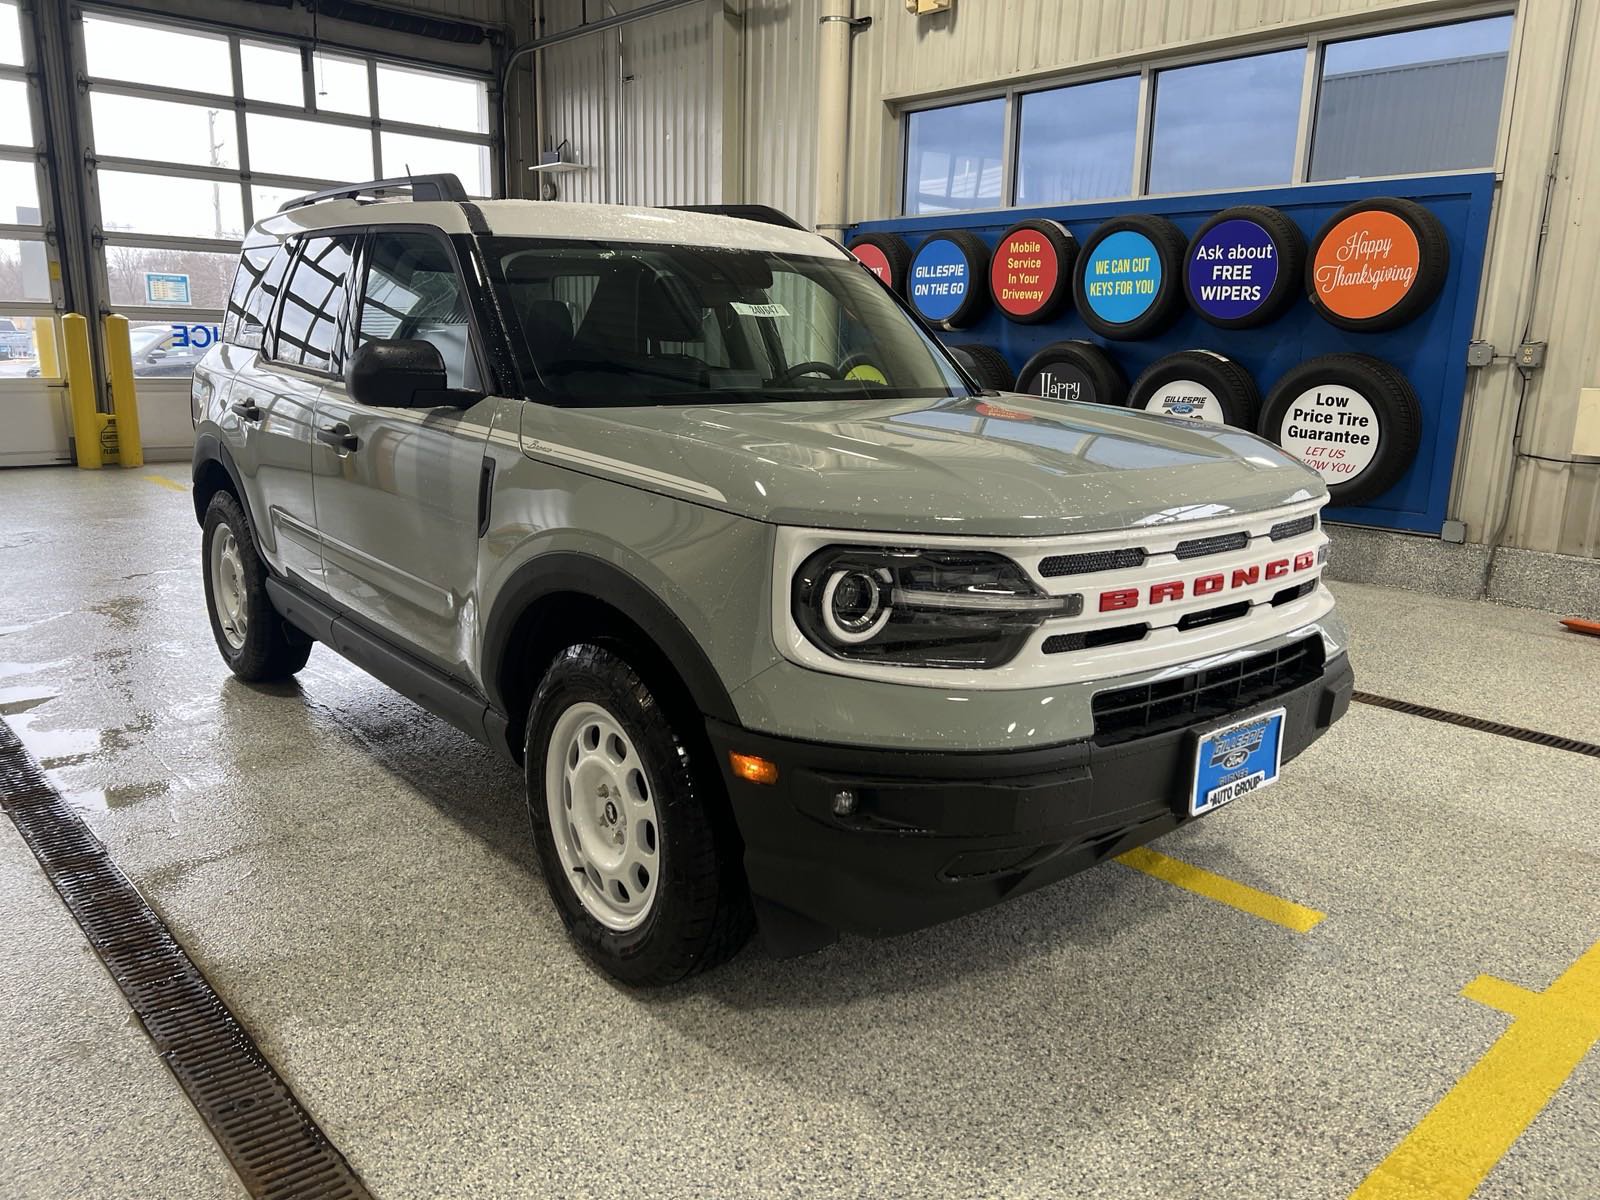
[(844, 802), (752, 768)]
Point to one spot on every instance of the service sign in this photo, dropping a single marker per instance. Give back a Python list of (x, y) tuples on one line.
[(162, 287), (1024, 273), (939, 280), (1232, 269), (1333, 429), (1366, 264), (875, 260), (1121, 277)]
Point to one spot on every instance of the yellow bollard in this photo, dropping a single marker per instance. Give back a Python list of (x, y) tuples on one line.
[(44, 340), (124, 399), (80, 389)]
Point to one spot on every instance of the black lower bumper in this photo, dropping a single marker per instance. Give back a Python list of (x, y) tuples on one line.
[(934, 835)]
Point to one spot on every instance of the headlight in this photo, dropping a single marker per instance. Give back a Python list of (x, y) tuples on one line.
[(922, 607)]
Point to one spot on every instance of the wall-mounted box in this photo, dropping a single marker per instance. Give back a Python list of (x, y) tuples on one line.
[(1586, 433)]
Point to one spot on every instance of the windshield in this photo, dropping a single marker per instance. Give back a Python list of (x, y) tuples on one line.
[(603, 323)]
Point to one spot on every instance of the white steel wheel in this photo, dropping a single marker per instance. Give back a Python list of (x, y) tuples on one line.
[(602, 812), (229, 587)]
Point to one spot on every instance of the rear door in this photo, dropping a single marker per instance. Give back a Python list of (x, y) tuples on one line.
[(397, 489), (267, 419)]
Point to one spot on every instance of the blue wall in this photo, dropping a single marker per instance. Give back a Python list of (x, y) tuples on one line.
[(1430, 351)]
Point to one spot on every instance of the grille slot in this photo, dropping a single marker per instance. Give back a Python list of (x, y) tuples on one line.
[(1058, 565), (1062, 643), (1290, 594), (1214, 616), (1294, 528), (1200, 547), (1127, 713)]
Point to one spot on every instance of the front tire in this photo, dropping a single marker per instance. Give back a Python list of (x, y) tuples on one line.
[(250, 634), (637, 848)]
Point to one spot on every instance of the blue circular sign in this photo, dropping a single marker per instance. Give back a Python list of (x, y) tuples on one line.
[(1232, 269), (939, 279), (1122, 277)]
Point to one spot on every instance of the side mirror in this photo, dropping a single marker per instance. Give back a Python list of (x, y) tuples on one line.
[(398, 374)]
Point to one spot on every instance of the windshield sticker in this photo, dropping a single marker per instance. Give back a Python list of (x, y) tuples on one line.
[(759, 310)]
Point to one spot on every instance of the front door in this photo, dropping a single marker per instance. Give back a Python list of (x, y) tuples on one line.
[(397, 488)]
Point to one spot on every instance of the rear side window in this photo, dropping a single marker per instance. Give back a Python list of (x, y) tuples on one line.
[(412, 291), (255, 286), (311, 317)]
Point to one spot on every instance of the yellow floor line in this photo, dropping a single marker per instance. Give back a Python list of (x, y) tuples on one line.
[(163, 481), (1216, 887), (1458, 1143)]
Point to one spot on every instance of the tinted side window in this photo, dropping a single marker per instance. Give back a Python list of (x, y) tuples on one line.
[(412, 291), (255, 286), (312, 314)]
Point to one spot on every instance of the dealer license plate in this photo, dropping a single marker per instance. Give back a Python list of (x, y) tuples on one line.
[(1236, 760)]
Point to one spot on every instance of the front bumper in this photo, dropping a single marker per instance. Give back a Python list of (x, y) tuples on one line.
[(935, 835)]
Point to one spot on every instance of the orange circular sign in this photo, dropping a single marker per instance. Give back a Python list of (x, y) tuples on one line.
[(1365, 264)]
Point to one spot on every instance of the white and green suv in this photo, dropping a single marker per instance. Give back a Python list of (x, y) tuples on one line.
[(787, 621)]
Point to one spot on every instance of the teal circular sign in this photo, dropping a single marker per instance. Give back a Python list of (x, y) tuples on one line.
[(1121, 277), (940, 279)]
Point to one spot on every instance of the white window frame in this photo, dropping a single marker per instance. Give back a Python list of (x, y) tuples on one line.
[(1313, 42)]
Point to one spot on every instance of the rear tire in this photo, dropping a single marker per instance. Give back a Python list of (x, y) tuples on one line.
[(649, 884), (253, 639)]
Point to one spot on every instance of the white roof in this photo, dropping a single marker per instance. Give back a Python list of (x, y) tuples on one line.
[(553, 219)]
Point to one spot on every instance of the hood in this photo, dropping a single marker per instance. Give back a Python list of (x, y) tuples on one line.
[(999, 465)]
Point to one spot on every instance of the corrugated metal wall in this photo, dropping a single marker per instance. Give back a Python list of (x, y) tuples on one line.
[(779, 84), (639, 105)]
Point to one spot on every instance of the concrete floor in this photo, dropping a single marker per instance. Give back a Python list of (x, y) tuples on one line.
[(356, 879)]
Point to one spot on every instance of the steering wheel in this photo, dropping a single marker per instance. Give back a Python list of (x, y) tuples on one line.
[(808, 368)]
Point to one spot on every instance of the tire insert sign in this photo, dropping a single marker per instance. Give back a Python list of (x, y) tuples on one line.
[(1333, 429)]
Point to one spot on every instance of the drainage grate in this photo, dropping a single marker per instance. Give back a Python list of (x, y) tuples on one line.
[(1553, 741), (274, 1145)]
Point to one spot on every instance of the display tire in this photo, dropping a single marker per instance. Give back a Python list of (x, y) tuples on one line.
[(1237, 399), (1290, 245), (986, 365), (1065, 248), (976, 302), (258, 645), (896, 254), (700, 912), (1392, 400), (1168, 301), (1433, 265), (1082, 362)]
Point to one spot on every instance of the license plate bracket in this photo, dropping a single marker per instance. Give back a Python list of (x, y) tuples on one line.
[(1236, 759)]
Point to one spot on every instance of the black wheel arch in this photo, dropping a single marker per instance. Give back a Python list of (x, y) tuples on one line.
[(560, 597), (214, 471)]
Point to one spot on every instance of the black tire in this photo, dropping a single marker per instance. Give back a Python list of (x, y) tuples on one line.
[(1289, 255), (986, 365), (268, 649), (1391, 405), (1078, 371), (1198, 385), (1167, 243), (700, 914), (1061, 256), (1432, 264), (975, 255), (896, 258)]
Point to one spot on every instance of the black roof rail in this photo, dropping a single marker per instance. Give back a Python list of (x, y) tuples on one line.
[(421, 187), (764, 213)]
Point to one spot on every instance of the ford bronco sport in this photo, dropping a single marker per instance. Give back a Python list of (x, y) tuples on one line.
[(786, 620)]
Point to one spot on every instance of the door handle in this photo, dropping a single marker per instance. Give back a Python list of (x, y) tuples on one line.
[(338, 436), (246, 410)]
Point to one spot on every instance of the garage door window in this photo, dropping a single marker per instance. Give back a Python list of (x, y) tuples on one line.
[(310, 317), (10, 34), (1423, 100)]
